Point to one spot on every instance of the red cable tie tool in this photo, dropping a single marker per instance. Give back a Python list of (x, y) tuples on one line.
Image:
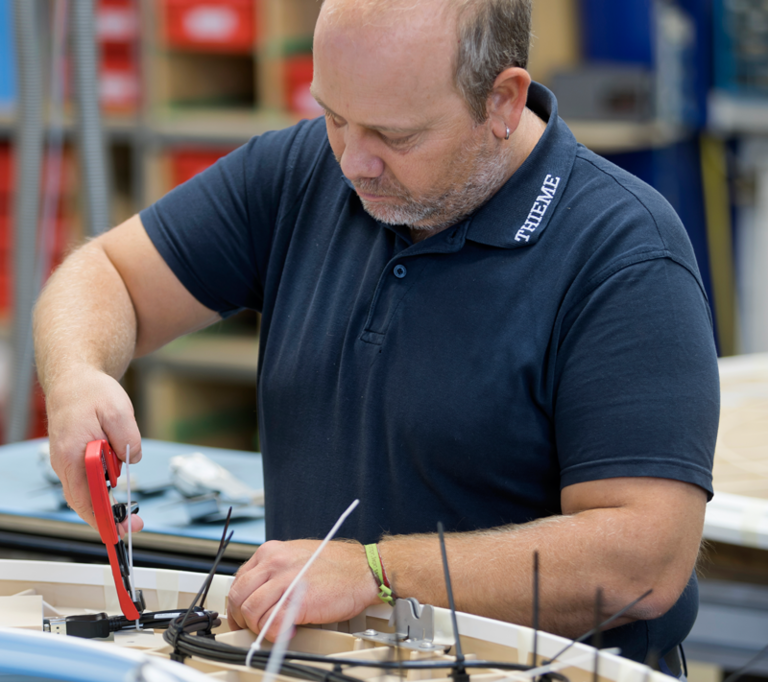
[(103, 469)]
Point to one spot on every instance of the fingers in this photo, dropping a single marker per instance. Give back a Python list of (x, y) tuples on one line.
[(247, 581), (256, 610), (121, 429), (88, 406), (137, 524), (277, 625), (69, 466), (78, 498), (338, 586)]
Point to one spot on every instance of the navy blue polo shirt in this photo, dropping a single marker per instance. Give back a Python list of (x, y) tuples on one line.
[(560, 334)]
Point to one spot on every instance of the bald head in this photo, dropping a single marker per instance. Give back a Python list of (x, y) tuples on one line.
[(382, 13), (484, 37)]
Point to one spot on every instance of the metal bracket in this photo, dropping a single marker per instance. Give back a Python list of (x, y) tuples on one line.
[(417, 627)]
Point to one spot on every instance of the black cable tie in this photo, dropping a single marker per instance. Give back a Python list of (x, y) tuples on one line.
[(220, 551), (209, 577), (459, 672), (206, 631), (174, 633)]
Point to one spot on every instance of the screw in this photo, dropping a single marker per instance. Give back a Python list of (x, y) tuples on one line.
[(370, 632), (425, 645)]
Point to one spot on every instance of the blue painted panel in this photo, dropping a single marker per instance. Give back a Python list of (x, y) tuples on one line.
[(701, 12), (625, 31), (617, 31), (7, 57)]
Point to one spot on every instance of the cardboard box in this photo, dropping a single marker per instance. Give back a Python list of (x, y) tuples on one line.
[(555, 44)]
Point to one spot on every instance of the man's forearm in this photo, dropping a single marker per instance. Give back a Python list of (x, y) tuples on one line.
[(492, 571), (623, 535), (84, 318)]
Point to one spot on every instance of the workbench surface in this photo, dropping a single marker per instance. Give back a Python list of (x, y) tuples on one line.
[(29, 504)]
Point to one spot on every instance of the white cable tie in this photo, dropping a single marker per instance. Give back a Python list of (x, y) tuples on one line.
[(257, 642), (130, 539), (277, 655)]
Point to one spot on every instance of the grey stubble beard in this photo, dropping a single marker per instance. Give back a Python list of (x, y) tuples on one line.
[(449, 206)]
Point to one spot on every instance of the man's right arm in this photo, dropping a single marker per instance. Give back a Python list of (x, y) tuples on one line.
[(111, 300)]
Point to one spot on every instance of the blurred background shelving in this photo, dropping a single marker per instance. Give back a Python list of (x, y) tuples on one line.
[(182, 83), (673, 90)]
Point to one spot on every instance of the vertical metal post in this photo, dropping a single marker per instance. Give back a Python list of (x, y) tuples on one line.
[(92, 150), (29, 153)]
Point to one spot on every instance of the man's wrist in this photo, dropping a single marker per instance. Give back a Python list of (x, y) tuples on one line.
[(66, 376), (385, 593)]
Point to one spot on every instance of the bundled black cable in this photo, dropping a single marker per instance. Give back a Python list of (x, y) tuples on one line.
[(188, 645), (99, 625), (193, 620), (225, 653)]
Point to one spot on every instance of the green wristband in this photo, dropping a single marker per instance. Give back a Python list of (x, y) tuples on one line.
[(385, 593)]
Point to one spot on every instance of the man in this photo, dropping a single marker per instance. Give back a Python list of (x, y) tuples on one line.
[(466, 317)]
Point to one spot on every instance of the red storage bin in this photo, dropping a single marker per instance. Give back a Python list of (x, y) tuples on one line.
[(5, 295), (8, 180), (211, 25), (60, 241), (117, 21), (186, 163), (119, 87), (5, 235), (298, 78), (5, 282), (6, 168)]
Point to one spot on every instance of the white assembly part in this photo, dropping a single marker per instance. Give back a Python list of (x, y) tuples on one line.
[(22, 611), (79, 588), (195, 474)]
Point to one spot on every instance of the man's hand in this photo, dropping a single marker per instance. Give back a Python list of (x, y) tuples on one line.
[(84, 406), (340, 584), (110, 300)]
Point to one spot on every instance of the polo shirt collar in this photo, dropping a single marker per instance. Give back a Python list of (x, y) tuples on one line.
[(517, 215)]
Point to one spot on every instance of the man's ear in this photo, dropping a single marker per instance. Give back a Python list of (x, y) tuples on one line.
[(507, 100)]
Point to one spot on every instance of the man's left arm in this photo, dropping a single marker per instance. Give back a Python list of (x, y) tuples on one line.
[(622, 535)]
